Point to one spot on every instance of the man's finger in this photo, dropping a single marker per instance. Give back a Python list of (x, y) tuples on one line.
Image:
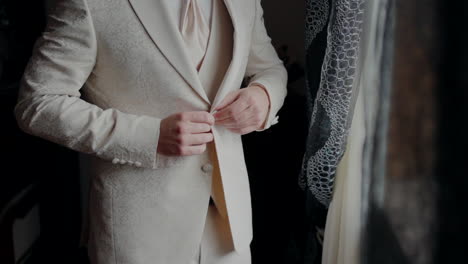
[(232, 111), (194, 139), (197, 117), (192, 150), (199, 139), (196, 128), (236, 119), (246, 123)]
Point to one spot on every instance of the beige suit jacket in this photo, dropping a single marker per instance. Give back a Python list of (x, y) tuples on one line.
[(102, 77)]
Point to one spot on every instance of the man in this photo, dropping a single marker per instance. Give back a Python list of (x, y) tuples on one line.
[(149, 91)]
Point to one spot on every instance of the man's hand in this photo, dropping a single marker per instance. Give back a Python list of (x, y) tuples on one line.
[(185, 134), (244, 111)]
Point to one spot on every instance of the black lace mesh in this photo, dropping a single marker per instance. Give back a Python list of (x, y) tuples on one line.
[(331, 107)]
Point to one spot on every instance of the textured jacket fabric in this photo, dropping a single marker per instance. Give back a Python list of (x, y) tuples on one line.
[(102, 77)]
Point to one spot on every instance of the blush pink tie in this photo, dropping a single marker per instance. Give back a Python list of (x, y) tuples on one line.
[(195, 31)]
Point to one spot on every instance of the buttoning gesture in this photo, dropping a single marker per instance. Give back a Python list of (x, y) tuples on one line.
[(244, 111), (185, 134)]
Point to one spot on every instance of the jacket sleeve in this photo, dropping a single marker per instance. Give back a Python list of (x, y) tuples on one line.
[(265, 68), (49, 103)]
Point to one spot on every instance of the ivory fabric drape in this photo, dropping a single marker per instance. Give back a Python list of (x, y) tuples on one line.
[(341, 244)]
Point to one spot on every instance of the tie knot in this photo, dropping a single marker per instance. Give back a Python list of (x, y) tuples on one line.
[(195, 31)]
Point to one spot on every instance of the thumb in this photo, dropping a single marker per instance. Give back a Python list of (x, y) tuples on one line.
[(229, 99)]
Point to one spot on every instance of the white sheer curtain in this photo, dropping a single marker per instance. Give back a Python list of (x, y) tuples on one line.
[(342, 230)]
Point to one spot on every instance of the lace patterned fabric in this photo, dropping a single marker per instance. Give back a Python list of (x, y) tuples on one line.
[(334, 102), (316, 19)]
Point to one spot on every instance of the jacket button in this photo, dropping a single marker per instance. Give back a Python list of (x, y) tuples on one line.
[(123, 162), (207, 168), (138, 164), (115, 161)]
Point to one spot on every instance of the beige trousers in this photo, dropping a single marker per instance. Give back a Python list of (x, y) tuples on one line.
[(216, 246)]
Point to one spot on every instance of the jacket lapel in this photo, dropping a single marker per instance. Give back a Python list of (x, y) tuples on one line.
[(224, 88), (163, 30), (161, 26)]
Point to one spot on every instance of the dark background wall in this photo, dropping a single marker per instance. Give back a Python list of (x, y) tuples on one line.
[(424, 216), (39, 190), (411, 190), (452, 140)]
